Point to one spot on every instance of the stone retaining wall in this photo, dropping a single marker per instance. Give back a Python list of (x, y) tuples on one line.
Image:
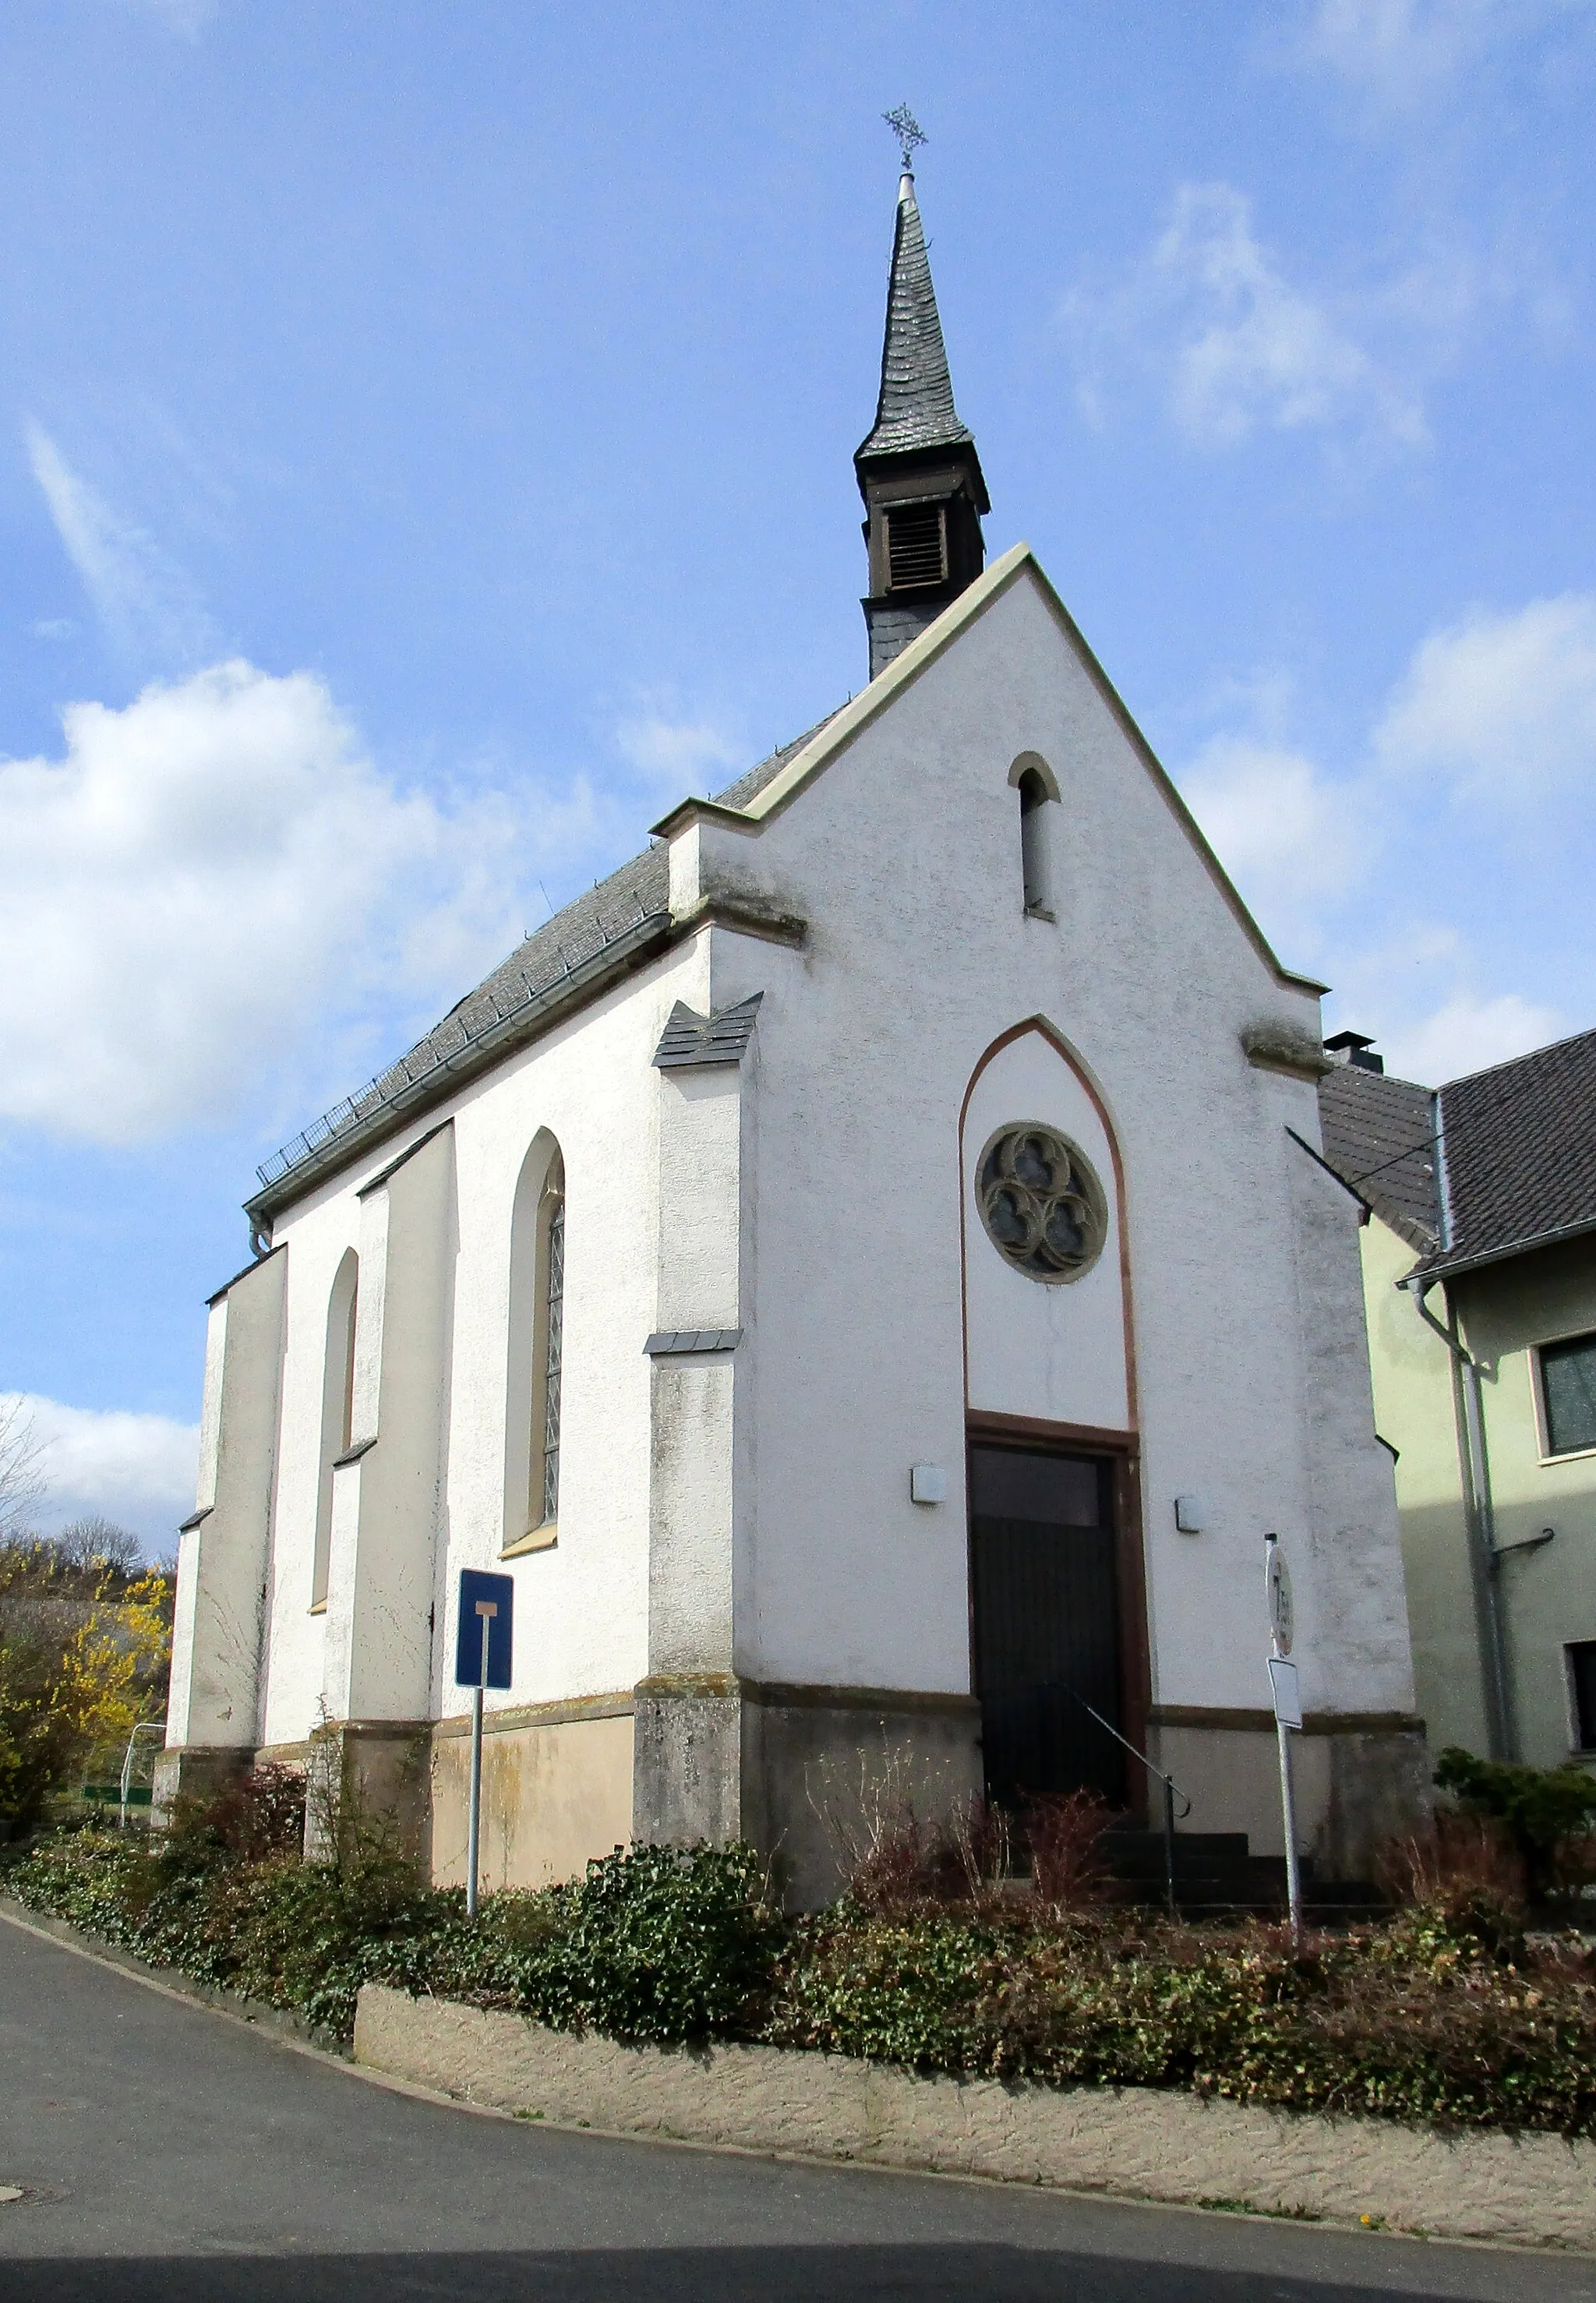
[(1136, 2143)]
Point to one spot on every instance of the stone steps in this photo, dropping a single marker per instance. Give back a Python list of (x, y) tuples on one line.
[(1218, 1876)]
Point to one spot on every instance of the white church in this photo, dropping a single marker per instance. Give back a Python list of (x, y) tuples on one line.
[(863, 1270)]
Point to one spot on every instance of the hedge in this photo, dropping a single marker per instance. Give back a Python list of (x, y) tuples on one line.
[(1442, 2014)]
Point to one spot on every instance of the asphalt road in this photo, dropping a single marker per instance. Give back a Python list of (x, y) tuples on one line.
[(166, 2151)]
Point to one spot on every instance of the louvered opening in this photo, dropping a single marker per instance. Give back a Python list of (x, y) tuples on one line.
[(916, 546)]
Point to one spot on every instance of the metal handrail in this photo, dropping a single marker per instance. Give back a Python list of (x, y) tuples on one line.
[(141, 1728), (1173, 1790)]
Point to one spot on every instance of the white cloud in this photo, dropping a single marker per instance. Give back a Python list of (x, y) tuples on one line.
[(1398, 53), (1500, 708), (1501, 704), (1237, 346), (204, 877), (683, 755), (1466, 1034), (1282, 833), (137, 1470), (149, 606), (1399, 49)]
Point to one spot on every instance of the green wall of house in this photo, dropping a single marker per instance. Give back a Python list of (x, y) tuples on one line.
[(1548, 1595)]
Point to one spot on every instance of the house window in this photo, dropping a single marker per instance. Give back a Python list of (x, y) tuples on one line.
[(536, 1350), (553, 1338), (337, 1411), (1042, 1206), (1582, 1689), (1033, 841), (1568, 1395)]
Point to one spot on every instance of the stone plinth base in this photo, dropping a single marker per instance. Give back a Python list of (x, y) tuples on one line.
[(797, 1769), (194, 1771)]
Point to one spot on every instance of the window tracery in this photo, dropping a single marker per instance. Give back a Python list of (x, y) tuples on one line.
[(1042, 1204)]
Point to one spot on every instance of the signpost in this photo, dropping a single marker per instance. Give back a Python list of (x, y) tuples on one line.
[(482, 1648), (1286, 1689)]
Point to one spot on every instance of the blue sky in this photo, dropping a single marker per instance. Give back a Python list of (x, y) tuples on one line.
[(425, 454)]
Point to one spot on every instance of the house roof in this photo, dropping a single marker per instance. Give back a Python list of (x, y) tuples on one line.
[(1518, 1145), (623, 917), (1516, 1164), (1379, 1137), (916, 406)]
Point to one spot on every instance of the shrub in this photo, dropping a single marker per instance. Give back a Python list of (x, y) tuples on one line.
[(1550, 1812), (1442, 2014), (84, 1654), (1408, 2024), (659, 1943), (261, 1817), (1065, 1836), (655, 1943)]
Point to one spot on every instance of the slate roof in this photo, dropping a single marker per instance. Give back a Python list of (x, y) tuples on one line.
[(628, 912), (1517, 1153), (916, 407), (1519, 1146), (1378, 1137)]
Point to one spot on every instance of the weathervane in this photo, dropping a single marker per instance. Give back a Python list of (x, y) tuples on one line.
[(908, 132)]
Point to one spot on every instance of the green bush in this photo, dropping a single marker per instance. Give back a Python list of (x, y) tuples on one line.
[(659, 1943), (1550, 1812), (655, 1943), (1444, 2014), (1413, 2021)]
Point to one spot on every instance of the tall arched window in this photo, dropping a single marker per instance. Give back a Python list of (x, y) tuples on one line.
[(337, 1410), (547, 1414), (536, 1350), (1032, 779)]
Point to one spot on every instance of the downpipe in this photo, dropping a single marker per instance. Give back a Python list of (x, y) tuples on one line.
[(1500, 1725)]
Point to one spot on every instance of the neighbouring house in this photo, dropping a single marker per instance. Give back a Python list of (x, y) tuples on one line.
[(865, 1271), (1480, 1282)]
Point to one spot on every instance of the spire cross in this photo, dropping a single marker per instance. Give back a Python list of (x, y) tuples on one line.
[(908, 132)]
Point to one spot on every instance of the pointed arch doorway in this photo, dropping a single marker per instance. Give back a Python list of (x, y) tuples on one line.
[(1057, 1614)]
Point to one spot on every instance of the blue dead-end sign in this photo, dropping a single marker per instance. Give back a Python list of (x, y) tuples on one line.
[(479, 1593)]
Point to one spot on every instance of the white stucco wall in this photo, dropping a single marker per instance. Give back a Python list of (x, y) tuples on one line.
[(903, 854), (581, 1608)]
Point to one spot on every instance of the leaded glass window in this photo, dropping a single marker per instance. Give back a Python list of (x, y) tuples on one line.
[(554, 1346), (1042, 1204)]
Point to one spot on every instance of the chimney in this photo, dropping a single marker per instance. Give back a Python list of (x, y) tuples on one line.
[(1354, 1048)]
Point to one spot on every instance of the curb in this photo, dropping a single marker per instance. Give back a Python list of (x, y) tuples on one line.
[(1132, 2143)]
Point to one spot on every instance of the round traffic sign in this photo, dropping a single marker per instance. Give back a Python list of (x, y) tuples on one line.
[(1281, 1617)]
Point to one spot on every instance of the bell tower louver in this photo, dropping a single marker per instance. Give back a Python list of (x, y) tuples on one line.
[(917, 471)]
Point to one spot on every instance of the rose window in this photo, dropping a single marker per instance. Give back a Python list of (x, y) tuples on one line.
[(1042, 1206)]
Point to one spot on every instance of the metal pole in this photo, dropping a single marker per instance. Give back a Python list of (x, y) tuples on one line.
[(1170, 1844), (1294, 1886), (487, 1611)]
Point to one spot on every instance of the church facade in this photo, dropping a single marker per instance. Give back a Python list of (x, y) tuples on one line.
[(863, 1270)]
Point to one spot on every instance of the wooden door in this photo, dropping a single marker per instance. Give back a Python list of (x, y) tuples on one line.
[(1046, 1622)]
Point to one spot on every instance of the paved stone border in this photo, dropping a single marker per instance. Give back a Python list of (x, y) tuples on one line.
[(1141, 2143)]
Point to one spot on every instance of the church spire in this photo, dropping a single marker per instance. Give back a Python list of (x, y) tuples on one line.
[(917, 470)]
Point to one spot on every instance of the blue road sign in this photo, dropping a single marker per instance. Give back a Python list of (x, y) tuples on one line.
[(477, 1593)]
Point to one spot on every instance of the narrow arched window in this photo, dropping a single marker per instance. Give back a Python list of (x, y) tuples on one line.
[(337, 1410), (1033, 780), (536, 1350), (553, 1343), (1032, 840)]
